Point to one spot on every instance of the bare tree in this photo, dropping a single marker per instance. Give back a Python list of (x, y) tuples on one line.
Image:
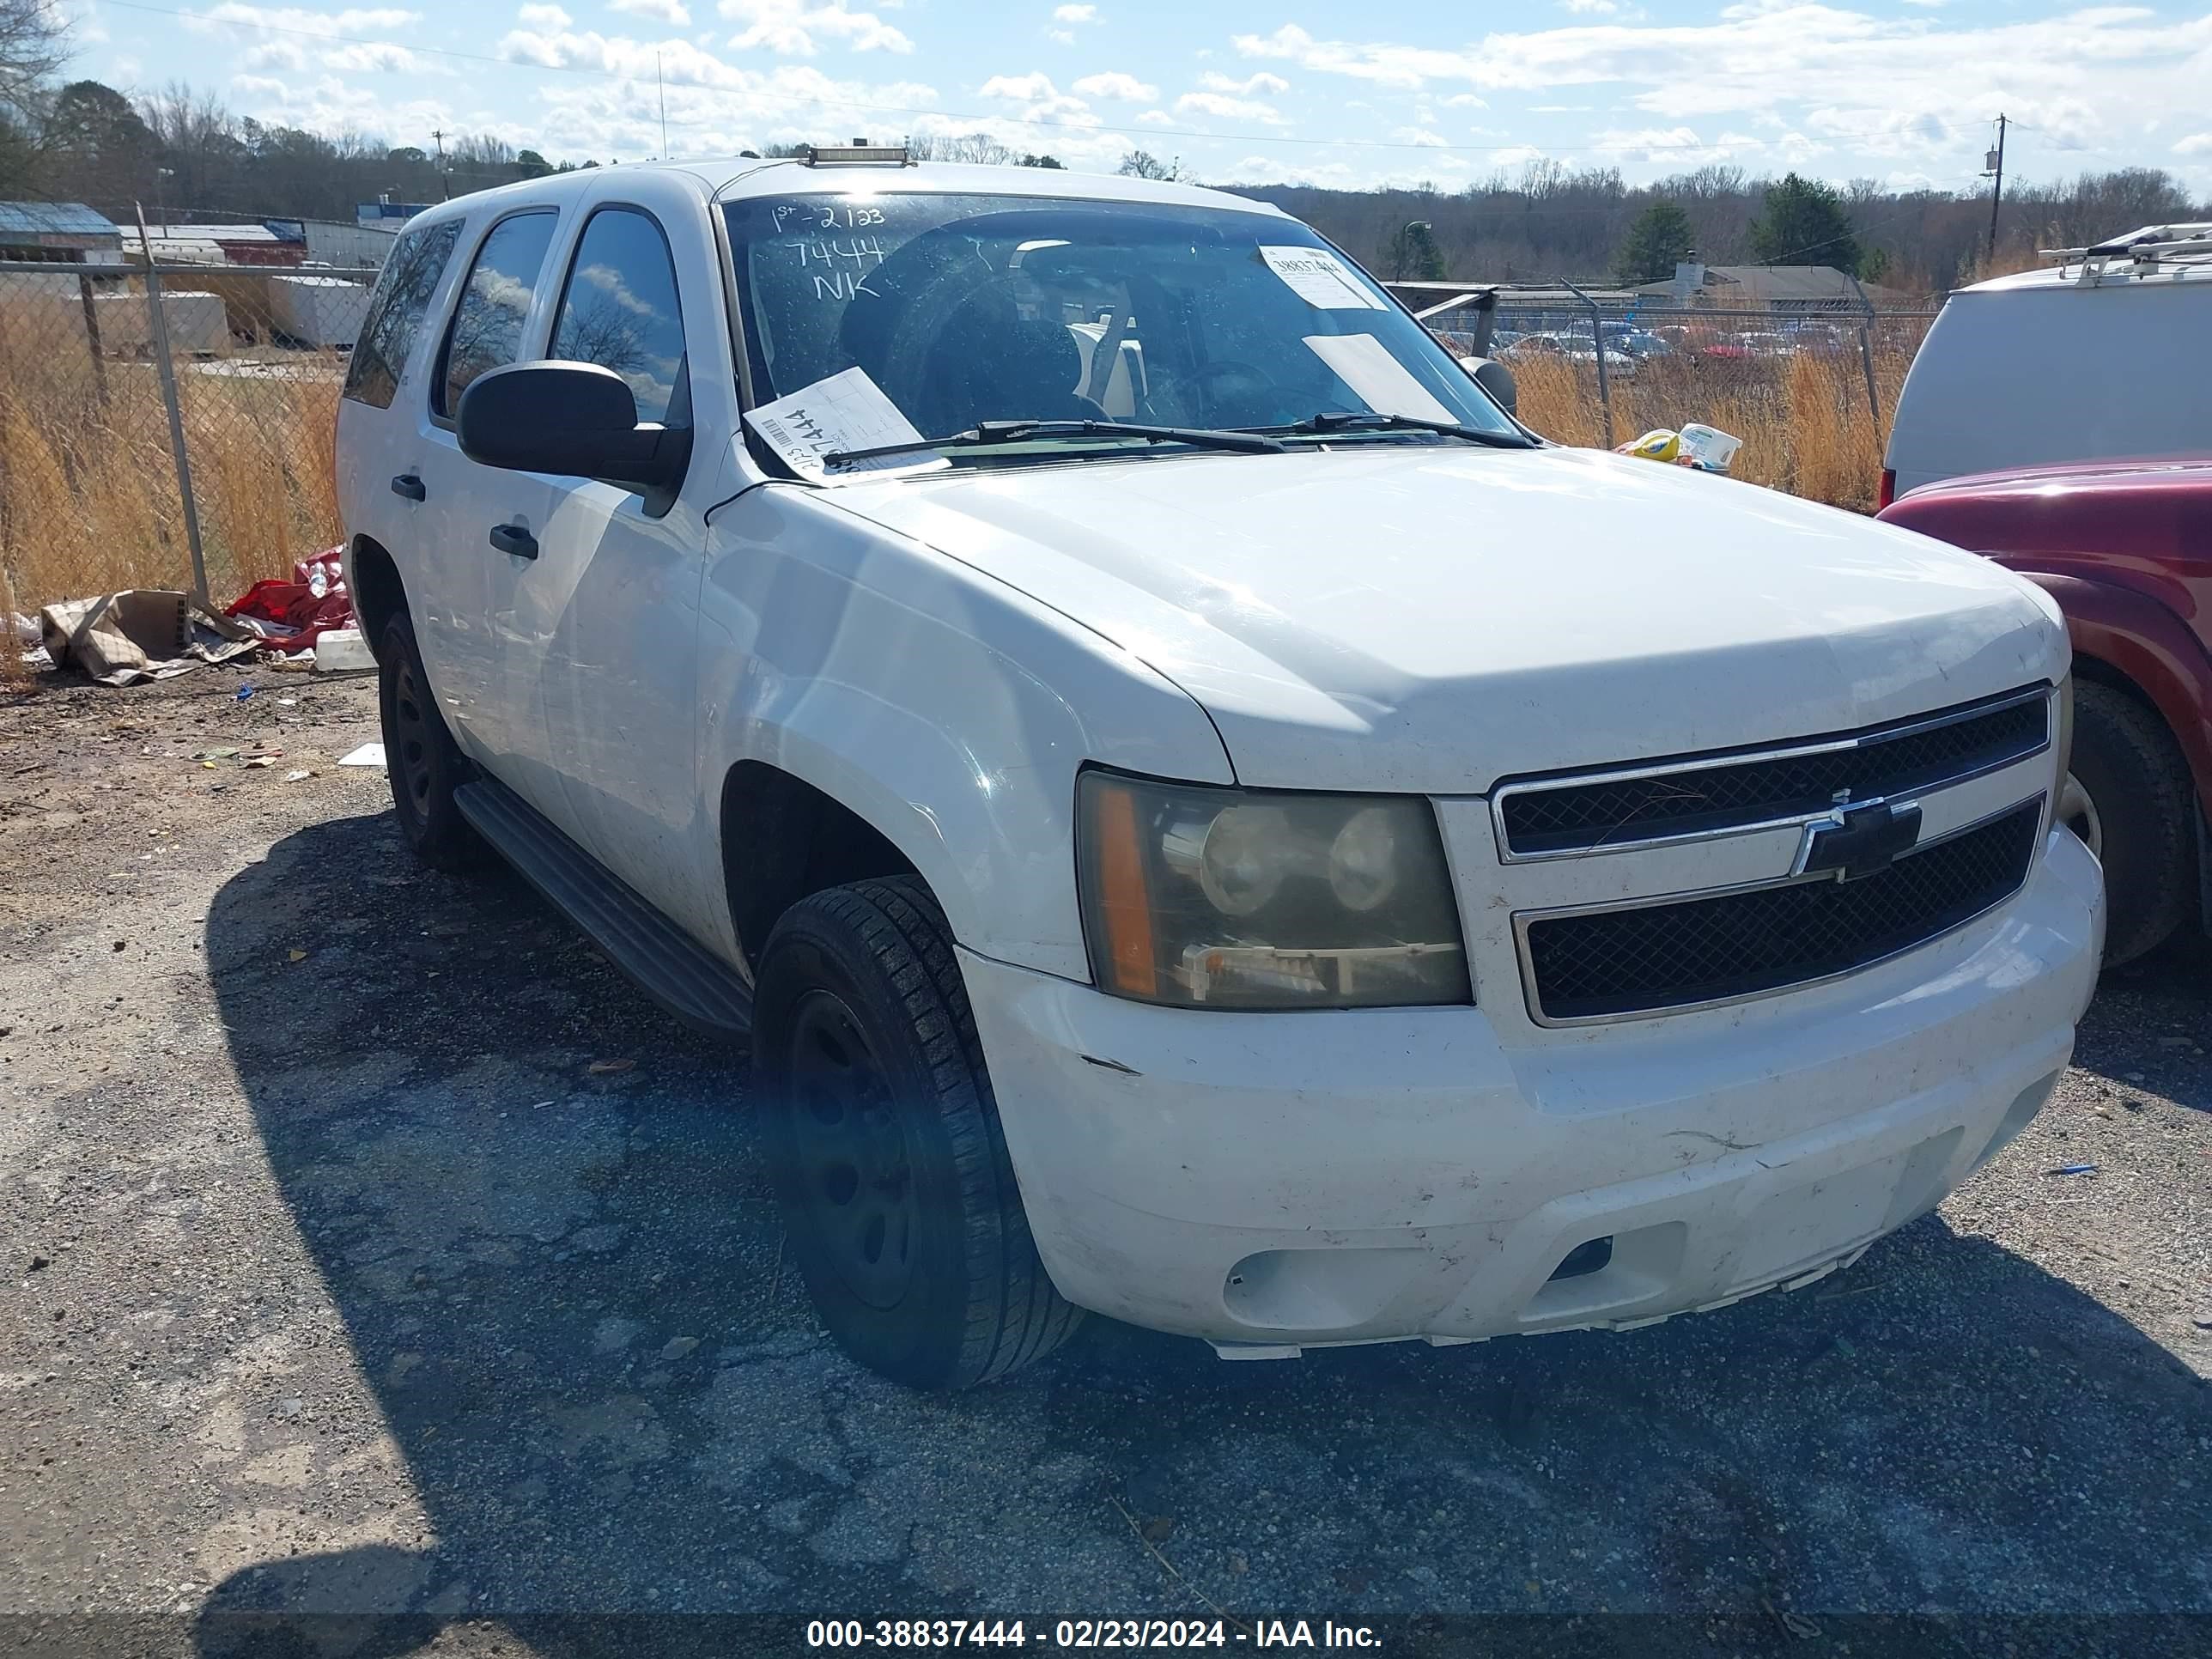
[(33, 44)]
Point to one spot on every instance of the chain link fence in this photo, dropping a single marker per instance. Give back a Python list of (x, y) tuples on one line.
[(167, 428), (1810, 391)]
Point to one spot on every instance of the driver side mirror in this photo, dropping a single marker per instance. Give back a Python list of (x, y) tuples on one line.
[(580, 419), (1493, 377)]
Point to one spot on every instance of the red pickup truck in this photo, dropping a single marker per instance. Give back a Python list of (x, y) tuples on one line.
[(2125, 547)]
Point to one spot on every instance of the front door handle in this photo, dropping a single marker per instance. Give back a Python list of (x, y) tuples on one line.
[(514, 538), (409, 487)]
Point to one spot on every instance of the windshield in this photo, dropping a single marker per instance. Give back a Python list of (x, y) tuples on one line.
[(973, 308)]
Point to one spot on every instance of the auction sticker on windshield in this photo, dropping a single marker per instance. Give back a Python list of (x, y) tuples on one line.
[(1320, 278), (844, 412)]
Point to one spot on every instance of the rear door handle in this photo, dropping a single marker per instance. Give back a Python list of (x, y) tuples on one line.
[(408, 485), (514, 538)]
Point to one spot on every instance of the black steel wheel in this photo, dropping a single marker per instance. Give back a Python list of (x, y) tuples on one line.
[(851, 1168), (883, 1138), (420, 758)]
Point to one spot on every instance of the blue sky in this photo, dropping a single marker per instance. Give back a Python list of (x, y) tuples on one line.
[(1900, 91)]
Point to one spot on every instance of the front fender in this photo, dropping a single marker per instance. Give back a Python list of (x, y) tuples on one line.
[(948, 710), (2154, 648)]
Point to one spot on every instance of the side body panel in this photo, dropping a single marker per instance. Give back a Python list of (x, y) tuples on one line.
[(2127, 552), (947, 709)]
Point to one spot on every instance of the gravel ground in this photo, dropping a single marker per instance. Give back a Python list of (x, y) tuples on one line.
[(370, 1246)]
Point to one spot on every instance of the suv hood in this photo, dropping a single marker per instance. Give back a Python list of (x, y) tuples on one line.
[(1429, 618)]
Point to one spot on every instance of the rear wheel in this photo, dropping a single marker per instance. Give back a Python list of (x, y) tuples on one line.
[(2128, 797), (883, 1141), (420, 757)]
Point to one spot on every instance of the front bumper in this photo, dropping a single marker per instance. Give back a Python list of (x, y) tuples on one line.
[(1271, 1181)]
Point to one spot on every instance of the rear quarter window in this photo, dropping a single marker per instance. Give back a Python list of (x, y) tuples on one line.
[(396, 311)]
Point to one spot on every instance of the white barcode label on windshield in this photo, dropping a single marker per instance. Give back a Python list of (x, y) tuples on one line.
[(1320, 278)]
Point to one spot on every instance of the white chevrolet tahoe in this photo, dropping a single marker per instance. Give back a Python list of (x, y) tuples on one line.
[(1198, 814)]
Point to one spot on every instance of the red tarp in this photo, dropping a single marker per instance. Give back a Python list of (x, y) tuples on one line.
[(314, 602)]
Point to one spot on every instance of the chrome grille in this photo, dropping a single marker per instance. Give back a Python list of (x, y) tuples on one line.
[(1715, 794), (1678, 953)]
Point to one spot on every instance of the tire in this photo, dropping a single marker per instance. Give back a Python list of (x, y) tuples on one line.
[(424, 766), (2128, 790), (885, 1144)]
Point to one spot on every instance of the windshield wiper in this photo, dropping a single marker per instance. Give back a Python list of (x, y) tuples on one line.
[(1008, 432), (1342, 420)]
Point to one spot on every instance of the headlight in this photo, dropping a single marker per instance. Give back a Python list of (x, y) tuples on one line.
[(1232, 898)]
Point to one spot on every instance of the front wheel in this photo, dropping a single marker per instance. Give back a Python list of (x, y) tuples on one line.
[(884, 1142)]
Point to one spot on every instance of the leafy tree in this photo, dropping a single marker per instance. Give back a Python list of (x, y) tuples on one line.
[(408, 155), (1043, 161), (1414, 255), (533, 165), (1875, 266), (1661, 238), (1805, 224)]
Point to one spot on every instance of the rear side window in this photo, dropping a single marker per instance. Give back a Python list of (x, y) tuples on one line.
[(487, 326), (396, 311), (619, 309)]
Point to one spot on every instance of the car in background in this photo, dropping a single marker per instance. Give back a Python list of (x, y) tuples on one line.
[(2106, 355), (1574, 348), (2124, 547)]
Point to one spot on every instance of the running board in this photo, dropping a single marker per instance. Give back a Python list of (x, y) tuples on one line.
[(666, 963)]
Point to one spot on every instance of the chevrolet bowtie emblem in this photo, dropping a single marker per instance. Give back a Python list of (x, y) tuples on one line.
[(1859, 840)]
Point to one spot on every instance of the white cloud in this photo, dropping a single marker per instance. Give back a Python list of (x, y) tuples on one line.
[(354, 20), (1156, 117), (2074, 74), (2197, 143), (1041, 100), (359, 58), (674, 13), (275, 54), (1260, 81), (1225, 108), (1075, 13), (1034, 86), (545, 18), (1423, 135), (789, 26), (1115, 84)]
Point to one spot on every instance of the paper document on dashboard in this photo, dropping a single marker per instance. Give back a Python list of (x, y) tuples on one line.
[(1364, 363), (836, 415)]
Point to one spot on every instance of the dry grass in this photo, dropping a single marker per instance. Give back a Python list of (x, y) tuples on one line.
[(1803, 419), (88, 498)]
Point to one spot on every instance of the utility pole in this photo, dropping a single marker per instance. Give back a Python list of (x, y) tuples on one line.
[(444, 179), (1994, 168)]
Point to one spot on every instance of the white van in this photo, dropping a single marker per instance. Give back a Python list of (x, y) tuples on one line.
[(2107, 353), (1311, 863)]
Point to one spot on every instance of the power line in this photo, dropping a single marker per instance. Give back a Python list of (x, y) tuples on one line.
[(1625, 148)]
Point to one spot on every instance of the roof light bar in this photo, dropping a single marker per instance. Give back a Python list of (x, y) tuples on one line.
[(881, 155)]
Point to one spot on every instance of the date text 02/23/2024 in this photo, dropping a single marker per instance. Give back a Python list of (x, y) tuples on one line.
[(1091, 1634)]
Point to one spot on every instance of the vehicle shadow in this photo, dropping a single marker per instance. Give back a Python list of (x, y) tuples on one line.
[(2151, 1025), (536, 1206)]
